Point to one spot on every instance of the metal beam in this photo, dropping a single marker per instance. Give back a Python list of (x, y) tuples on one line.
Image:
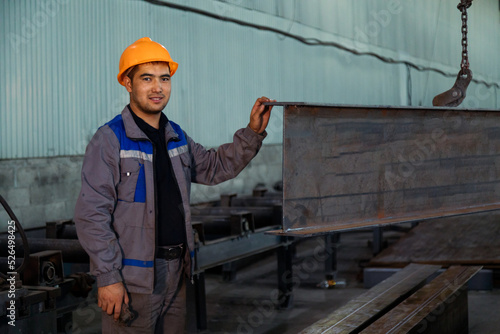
[(347, 167), (71, 249), (230, 249)]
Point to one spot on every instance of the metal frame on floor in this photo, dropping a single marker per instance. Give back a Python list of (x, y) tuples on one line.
[(229, 249)]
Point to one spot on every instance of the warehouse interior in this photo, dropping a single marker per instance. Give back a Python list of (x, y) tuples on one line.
[(381, 159)]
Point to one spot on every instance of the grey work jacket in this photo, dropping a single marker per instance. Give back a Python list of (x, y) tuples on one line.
[(115, 213)]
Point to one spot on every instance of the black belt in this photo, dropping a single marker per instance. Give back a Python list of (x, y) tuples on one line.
[(169, 253)]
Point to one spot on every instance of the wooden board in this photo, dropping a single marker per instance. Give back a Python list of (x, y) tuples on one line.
[(470, 240)]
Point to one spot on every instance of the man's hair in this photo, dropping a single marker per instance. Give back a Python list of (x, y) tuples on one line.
[(133, 70)]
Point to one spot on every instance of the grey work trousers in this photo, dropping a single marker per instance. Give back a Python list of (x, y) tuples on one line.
[(163, 311)]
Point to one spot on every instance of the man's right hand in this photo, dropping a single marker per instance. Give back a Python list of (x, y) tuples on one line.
[(111, 297)]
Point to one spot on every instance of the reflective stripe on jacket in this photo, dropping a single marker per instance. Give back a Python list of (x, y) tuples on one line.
[(115, 213)]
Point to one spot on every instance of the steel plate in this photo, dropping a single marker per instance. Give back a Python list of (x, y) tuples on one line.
[(348, 167)]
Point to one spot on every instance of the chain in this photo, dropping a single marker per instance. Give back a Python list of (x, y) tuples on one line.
[(462, 6)]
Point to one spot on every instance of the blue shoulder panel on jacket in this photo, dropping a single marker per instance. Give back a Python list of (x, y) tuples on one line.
[(132, 149), (182, 138), (116, 124), (127, 144)]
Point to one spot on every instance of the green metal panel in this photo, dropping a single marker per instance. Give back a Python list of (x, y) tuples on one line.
[(59, 60)]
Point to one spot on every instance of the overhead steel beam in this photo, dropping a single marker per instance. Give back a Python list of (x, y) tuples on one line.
[(347, 167)]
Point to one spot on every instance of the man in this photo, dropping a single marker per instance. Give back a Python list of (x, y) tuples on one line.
[(132, 214)]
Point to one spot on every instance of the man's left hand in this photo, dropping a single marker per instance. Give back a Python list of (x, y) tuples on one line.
[(259, 117)]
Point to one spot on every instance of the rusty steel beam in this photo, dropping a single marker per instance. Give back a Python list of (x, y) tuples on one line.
[(347, 167), (438, 307), (365, 309)]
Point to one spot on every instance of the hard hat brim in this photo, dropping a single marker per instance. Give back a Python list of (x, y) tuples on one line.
[(172, 64)]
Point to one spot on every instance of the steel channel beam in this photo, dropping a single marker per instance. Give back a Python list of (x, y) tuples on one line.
[(256, 201), (438, 307), (231, 249), (347, 167), (263, 216)]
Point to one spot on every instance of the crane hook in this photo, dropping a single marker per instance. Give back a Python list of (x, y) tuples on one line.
[(456, 94)]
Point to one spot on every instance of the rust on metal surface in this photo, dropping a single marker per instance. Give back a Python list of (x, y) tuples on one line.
[(466, 240), (437, 300), (365, 309), (348, 167)]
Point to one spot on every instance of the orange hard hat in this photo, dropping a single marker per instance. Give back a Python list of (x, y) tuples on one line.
[(142, 51)]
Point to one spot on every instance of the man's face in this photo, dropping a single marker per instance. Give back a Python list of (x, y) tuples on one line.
[(150, 88)]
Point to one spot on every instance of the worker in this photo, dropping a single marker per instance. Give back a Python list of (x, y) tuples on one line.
[(133, 211)]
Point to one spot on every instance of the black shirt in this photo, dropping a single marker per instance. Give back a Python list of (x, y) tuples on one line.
[(170, 218)]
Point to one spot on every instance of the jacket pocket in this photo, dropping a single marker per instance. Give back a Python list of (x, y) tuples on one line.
[(186, 165), (129, 177)]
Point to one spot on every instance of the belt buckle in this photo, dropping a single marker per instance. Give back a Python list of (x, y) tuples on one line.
[(172, 253)]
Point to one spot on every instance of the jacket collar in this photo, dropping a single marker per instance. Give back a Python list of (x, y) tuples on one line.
[(170, 133), (134, 132)]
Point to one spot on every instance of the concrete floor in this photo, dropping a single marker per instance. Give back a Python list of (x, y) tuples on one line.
[(245, 305)]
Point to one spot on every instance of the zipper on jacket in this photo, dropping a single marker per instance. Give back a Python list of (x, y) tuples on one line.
[(191, 274), (156, 211), (180, 193), (191, 258), (154, 204)]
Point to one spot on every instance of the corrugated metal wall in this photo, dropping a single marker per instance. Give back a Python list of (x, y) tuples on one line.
[(59, 60)]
